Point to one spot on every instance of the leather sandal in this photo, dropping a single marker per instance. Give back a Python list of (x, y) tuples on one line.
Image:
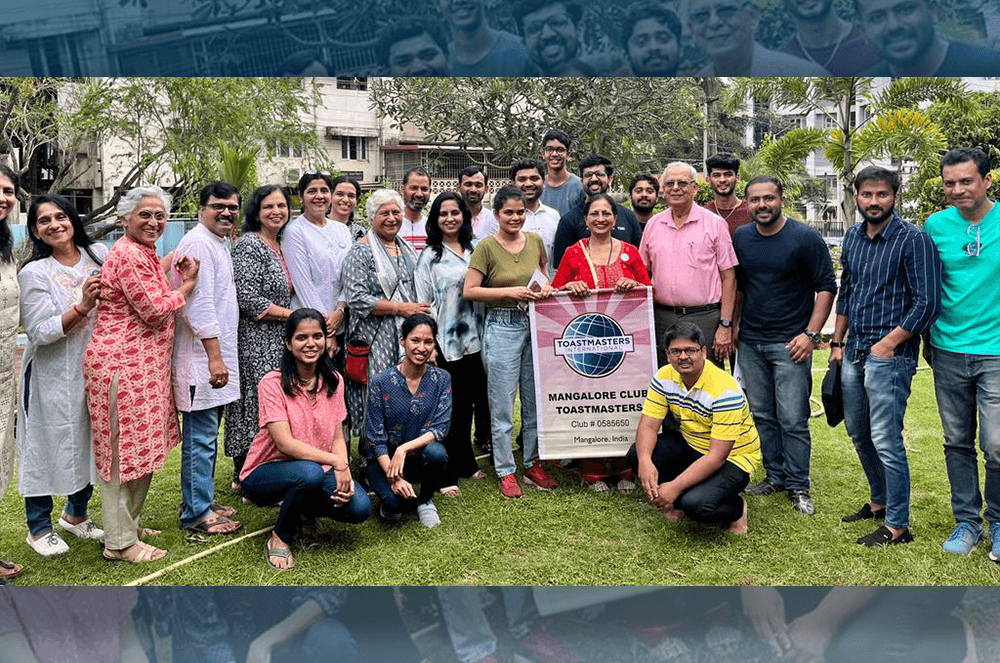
[(135, 554), (9, 569), (222, 510), (205, 526)]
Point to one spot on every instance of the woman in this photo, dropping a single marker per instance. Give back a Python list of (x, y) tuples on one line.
[(440, 277), (601, 261), (346, 194), (126, 369), (81, 624), (8, 341), (315, 249), (59, 290), (378, 284), (299, 458), (860, 624), (409, 409), (501, 268), (264, 294), (289, 625)]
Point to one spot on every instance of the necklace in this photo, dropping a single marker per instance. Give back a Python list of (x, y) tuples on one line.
[(726, 217), (611, 250), (503, 243), (844, 31)]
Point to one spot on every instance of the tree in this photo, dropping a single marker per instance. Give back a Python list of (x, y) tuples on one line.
[(164, 131), (637, 123), (864, 121)]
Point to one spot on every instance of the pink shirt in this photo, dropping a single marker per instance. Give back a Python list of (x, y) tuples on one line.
[(684, 263), (311, 422), (79, 624)]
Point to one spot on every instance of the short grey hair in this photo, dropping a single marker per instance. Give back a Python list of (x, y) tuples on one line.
[(380, 197), (682, 164), (131, 200)]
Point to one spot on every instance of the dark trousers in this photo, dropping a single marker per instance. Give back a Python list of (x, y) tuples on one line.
[(304, 490), (707, 321), (716, 500), (469, 398), (425, 466)]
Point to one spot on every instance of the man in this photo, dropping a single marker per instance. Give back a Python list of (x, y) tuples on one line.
[(473, 184), (479, 50), (563, 189), (890, 293), (553, 33), (699, 470), (966, 346), (644, 192), (205, 372), (827, 40), (723, 176), (528, 175), (416, 192), (788, 282), (651, 38), (413, 47), (724, 30), (904, 34), (691, 262), (597, 175)]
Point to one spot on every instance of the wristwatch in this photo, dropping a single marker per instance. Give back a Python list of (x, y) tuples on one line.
[(813, 336), (838, 344), (725, 322)]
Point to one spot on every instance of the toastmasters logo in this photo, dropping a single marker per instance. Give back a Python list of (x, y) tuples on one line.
[(594, 345)]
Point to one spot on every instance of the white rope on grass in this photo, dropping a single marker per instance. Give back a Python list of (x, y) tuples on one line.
[(192, 558)]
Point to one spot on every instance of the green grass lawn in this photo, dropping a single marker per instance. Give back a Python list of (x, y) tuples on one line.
[(568, 537)]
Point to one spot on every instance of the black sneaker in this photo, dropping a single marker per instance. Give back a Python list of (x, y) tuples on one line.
[(883, 537), (865, 513), (765, 487), (801, 502)]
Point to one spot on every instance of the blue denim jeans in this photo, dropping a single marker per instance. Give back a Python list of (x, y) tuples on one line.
[(875, 394), (967, 386), (778, 391), (468, 628), (426, 466), (304, 490), (199, 445), (38, 510), (509, 369), (326, 641)]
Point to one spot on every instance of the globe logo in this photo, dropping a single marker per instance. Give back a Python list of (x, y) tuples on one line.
[(594, 345)]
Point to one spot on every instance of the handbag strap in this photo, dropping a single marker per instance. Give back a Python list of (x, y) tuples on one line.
[(383, 317), (590, 263)]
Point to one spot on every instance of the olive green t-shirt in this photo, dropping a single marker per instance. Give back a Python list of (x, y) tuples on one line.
[(503, 269)]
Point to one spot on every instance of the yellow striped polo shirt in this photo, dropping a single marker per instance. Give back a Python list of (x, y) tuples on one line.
[(714, 407)]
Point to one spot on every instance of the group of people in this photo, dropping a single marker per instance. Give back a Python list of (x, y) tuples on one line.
[(405, 331), (886, 38), (349, 625)]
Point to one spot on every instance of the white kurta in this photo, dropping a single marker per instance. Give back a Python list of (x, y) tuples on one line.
[(211, 312), (54, 441), (315, 257), (8, 346)]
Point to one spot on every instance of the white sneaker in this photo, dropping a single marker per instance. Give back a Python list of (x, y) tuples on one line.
[(85, 530), (428, 515), (49, 545)]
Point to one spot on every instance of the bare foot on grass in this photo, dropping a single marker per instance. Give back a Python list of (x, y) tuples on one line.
[(739, 526)]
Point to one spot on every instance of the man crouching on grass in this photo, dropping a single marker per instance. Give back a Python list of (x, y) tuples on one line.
[(700, 470)]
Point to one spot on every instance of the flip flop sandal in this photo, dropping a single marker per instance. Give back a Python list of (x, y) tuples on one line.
[(9, 570), (450, 491), (599, 487), (626, 487), (284, 553), (146, 554), (205, 527), (222, 510)]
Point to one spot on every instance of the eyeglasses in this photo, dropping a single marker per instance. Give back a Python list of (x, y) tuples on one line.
[(147, 215), (670, 184), (559, 151), (556, 22), (973, 248), (687, 352), (219, 207), (594, 173), (725, 13)]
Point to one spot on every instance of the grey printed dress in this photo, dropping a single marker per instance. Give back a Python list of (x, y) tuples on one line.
[(363, 292), (261, 279)]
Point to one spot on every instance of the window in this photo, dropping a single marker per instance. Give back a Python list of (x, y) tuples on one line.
[(356, 83), (354, 148), (280, 149)]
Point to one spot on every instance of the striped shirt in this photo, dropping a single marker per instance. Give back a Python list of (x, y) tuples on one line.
[(714, 408), (888, 281)]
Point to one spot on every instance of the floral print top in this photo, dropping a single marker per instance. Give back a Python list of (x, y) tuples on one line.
[(395, 416)]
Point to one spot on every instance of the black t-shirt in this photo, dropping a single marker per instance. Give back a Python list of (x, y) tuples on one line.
[(962, 59), (780, 276)]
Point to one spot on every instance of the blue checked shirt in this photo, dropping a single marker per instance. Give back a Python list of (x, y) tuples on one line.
[(888, 281)]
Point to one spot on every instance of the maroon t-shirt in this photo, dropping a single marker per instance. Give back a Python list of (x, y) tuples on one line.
[(740, 216)]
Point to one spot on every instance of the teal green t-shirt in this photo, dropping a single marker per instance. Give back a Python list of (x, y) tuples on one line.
[(970, 299)]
